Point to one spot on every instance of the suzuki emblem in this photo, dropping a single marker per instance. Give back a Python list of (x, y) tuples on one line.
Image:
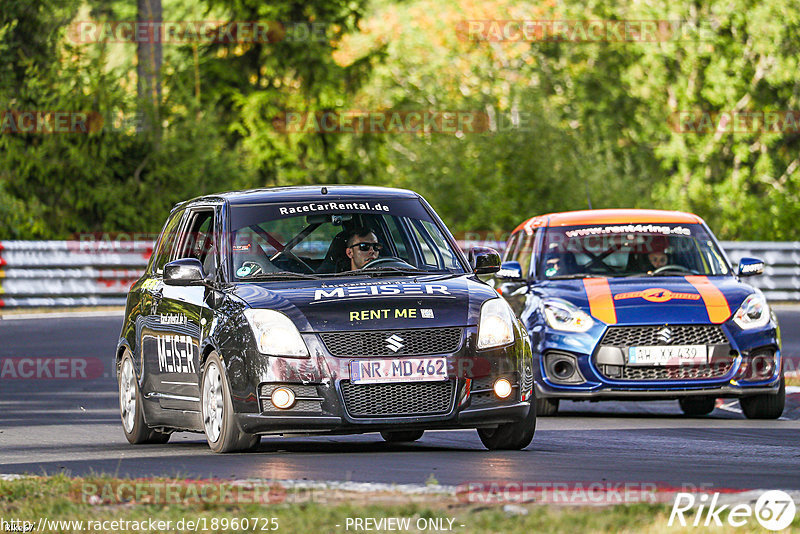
[(664, 335), (394, 343)]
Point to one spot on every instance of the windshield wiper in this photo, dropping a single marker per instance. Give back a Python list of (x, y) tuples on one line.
[(393, 270), (281, 275), (577, 275)]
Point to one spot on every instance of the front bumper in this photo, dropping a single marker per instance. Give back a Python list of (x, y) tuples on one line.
[(328, 403), (728, 373), (320, 424)]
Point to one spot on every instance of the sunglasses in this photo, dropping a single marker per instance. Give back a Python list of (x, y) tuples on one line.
[(363, 247)]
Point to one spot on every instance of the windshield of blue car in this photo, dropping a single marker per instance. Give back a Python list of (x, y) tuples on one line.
[(311, 239), (629, 250)]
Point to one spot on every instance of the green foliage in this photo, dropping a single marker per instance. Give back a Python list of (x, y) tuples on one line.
[(569, 123)]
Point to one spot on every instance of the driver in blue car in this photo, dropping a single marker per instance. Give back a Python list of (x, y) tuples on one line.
[(362, 248), (657, 257)]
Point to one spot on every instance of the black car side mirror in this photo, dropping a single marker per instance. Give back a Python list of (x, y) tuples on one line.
[(484, 260), (184, 272), (750, 267)]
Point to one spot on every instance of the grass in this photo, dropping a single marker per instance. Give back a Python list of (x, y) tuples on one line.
[(103, 498)]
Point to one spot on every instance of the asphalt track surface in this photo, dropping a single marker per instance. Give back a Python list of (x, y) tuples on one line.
[(52, 426)]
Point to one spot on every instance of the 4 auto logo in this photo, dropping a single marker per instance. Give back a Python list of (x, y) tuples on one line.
[(657, 294)]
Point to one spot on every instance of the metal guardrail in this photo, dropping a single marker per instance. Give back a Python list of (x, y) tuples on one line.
[(69, 273), (99, 273)]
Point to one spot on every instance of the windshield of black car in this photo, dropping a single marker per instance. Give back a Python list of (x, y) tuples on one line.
[(629, 250), (312, 238)]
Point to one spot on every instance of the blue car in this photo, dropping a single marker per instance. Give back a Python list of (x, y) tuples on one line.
[(641, 305)]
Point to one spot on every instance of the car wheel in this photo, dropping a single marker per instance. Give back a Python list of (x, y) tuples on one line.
[(222, 433), (697, 405), (130, 406), (546, 407), (402, 436), (767, 406), (510, 436)]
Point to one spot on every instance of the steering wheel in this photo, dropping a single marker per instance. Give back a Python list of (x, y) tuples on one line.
[(387, 260), (673, 267)]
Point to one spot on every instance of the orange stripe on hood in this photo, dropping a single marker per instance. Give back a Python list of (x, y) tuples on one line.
[(601, 305), (716, 303)]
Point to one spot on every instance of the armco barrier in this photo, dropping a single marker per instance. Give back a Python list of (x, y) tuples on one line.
[(69, 273), (99, 273)]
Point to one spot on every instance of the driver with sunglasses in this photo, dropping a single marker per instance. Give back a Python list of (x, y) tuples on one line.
[(362, 248)]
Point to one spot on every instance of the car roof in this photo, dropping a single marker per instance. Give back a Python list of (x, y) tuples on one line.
[(308, 193), (609, 216)]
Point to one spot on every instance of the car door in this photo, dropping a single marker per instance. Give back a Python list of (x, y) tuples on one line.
[(148, 322), (183, 312)]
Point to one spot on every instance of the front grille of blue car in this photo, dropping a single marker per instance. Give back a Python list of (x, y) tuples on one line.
[(633, 336), (680, 372)]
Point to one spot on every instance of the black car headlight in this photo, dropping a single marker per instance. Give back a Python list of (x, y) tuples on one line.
[(496, 327), (753, 313), (276, 334)]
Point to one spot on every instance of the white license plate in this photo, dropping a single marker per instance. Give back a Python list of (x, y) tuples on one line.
[(398, 370), (669, 355)]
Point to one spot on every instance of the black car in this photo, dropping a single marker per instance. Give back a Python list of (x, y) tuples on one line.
[(311, 310)]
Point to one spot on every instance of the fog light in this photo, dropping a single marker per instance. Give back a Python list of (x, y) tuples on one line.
[(283, 398), (502, 388), (763, 365)]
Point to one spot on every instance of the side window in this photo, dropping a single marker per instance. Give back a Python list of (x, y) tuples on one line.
[(166, 242), (450, 261), (198, 242), (524, 251), (428, 255), (511, 246), (397, 237)]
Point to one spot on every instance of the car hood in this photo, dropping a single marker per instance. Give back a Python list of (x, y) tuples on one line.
[(653, 300), (372, 303)]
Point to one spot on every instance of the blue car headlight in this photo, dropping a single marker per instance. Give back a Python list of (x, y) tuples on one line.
[(563, 315), (753, 313)]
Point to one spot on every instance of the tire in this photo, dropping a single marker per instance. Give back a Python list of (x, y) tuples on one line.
[(766, 406), (546, 407), (697, 405), (510, 436), (216, 408), (402, 436), (130, 406)]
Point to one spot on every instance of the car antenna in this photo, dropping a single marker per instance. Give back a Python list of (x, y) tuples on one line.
[(324, 190), (588, 197)]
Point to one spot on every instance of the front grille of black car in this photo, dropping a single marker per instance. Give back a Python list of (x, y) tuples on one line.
[(377, 343), (679, 372), (397, 400), (635, 336)]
